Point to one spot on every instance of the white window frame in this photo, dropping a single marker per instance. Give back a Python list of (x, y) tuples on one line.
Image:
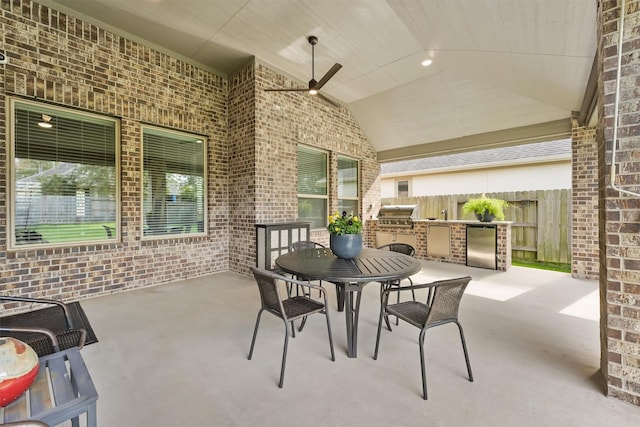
[(197, 227), (324, 197), (338, 180), (408, 181), (54, 111)]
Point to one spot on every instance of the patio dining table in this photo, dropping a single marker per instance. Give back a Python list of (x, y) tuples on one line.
[(350, 276)]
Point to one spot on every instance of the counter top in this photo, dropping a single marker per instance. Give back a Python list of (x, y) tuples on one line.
[(455, 221)]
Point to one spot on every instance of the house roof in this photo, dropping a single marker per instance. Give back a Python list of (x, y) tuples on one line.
[(527, 153)]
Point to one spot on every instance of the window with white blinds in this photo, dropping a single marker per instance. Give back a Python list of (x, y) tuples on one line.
[(348, 185), (313, 193), (174, 185), (63, 176)]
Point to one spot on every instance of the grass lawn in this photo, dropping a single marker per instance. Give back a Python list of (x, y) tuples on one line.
[(562, 268), (59, 233)]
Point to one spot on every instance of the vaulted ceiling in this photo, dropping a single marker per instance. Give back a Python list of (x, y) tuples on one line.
[(504, 72)]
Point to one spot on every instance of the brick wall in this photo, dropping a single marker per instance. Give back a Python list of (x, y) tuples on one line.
[(251, 154), (60, 59), (619, 220), (265, 130), (584, 203)]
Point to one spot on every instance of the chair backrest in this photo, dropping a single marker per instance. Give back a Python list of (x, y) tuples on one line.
[(305, 244), (403, 248), (109, 230), (445, 302), (268, 286)]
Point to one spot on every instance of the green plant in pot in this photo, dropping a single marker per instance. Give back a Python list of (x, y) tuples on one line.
[(345, 237), (485, 209)]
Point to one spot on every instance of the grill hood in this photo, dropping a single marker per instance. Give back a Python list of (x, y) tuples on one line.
[(398, 215)]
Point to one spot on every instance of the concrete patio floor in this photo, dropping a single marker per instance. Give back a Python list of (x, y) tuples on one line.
[(176, 355)]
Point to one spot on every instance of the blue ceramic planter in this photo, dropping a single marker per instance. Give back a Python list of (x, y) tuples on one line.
[(346, 246)]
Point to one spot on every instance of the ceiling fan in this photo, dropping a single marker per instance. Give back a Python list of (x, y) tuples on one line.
[(314, 86)]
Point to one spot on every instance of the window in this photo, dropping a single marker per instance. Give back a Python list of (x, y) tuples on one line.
[(348, 185), (403, 188), (63, 175), (173, 183), (312, 187)]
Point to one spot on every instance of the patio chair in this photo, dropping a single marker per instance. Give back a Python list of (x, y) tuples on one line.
[(441, 308), (111, 231), (403, 248), (45, 331), (288, 309), (305, 244)]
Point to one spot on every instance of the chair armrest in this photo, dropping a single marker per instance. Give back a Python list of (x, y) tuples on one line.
[(304, 284), (431, 286), (47, 332), (60, 304), (410, 287), (26, 424), (288, 280)]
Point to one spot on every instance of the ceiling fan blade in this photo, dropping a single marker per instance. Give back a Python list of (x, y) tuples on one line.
[(287, 90), (336, 67)]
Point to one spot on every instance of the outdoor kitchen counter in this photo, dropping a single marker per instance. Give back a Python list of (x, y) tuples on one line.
[(419, 234)]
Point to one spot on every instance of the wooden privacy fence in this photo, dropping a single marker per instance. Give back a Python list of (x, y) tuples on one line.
[(541, 219)]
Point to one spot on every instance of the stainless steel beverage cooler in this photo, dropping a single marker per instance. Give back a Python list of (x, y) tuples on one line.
[(482, 246)]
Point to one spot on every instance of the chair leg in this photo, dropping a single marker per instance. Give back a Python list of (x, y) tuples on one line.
[(302, 323), (255, 333), (466, 353), (284, 353), (422, 367)]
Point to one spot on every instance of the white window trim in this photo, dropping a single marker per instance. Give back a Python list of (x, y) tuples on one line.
[(205, 185), (315, 196), (357, 198), (11, 181)]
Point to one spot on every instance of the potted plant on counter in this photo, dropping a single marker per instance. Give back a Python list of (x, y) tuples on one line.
[(485, 209), (345, 235)]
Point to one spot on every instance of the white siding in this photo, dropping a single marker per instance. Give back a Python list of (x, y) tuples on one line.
[(546, 176)]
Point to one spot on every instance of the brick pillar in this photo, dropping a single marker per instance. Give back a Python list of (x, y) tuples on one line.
[(619, 221), (584, 196)]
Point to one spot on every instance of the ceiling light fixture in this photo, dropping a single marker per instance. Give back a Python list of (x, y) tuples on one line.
[(46, 122), (427, 62), (313, 91)]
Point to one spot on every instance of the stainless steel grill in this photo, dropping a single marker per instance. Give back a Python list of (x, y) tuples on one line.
[(397, 215)]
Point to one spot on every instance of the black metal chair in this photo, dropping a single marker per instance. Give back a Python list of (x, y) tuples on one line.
[(305, 244), (403, 248), (441, 308), (111, 231), (44, 330), (288, 309), (298, 246)]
